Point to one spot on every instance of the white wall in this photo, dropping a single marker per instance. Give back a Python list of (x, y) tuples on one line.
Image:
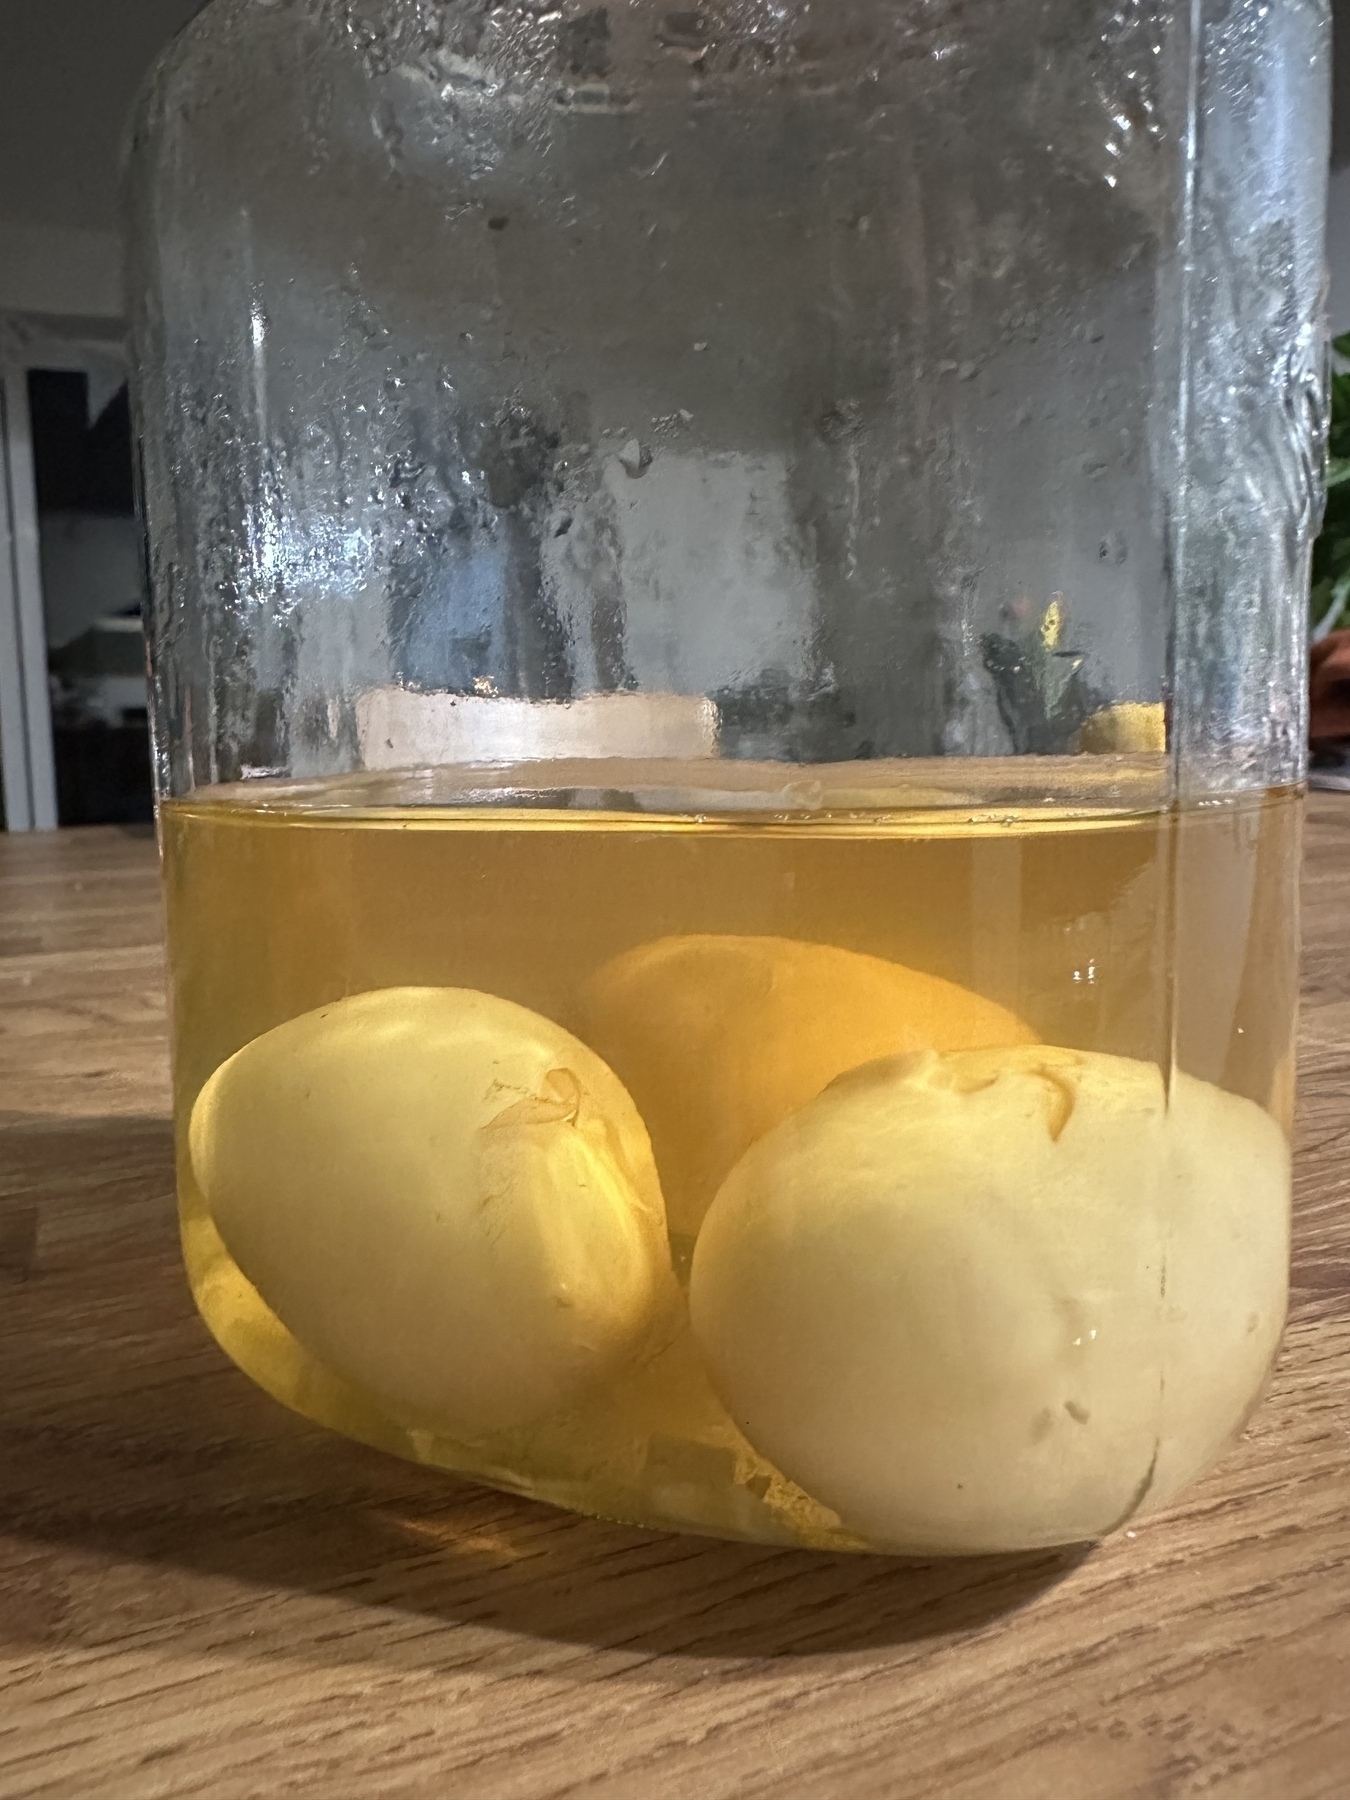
[(60, 269), (69, 72)]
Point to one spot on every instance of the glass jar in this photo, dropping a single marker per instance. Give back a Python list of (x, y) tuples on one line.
[(728, 645)]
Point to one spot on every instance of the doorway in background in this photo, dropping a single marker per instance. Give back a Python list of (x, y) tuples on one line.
[(74, 736), (92, 590)]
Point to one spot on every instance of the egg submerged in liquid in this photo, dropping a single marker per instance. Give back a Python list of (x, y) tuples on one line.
[(446, 1198), (996, 1300)]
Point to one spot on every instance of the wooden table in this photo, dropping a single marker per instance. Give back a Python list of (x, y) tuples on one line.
[(202, 1595)]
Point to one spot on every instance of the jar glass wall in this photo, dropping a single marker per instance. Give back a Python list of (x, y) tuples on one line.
[(728, 645)]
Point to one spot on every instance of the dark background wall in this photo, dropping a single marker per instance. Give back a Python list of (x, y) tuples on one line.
[(1340, 145), (69, 70)]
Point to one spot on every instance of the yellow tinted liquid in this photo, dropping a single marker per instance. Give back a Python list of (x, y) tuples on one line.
[(1160, 936)]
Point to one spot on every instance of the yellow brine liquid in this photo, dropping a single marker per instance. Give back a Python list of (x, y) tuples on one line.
[(862, 1168)]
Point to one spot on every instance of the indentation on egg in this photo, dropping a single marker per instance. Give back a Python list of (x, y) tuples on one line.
[(557, 1103), (1062, 1097)]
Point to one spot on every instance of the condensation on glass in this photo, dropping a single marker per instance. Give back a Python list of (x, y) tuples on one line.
[(728, 641)]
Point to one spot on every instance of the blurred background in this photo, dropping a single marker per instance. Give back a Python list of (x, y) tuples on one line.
[(74, 748), (73, 731)]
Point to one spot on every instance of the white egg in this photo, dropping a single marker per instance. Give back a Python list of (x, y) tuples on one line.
[(446, 1198), (997, 1299)]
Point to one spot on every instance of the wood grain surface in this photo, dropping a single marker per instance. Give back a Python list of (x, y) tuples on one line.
[(201, 1595)]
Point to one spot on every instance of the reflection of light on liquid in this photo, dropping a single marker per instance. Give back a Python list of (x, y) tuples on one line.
[(1088, 975)]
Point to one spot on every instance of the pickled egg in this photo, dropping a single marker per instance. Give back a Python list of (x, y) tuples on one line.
[(999, 1299), (720, 1038), (446, 1198)]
